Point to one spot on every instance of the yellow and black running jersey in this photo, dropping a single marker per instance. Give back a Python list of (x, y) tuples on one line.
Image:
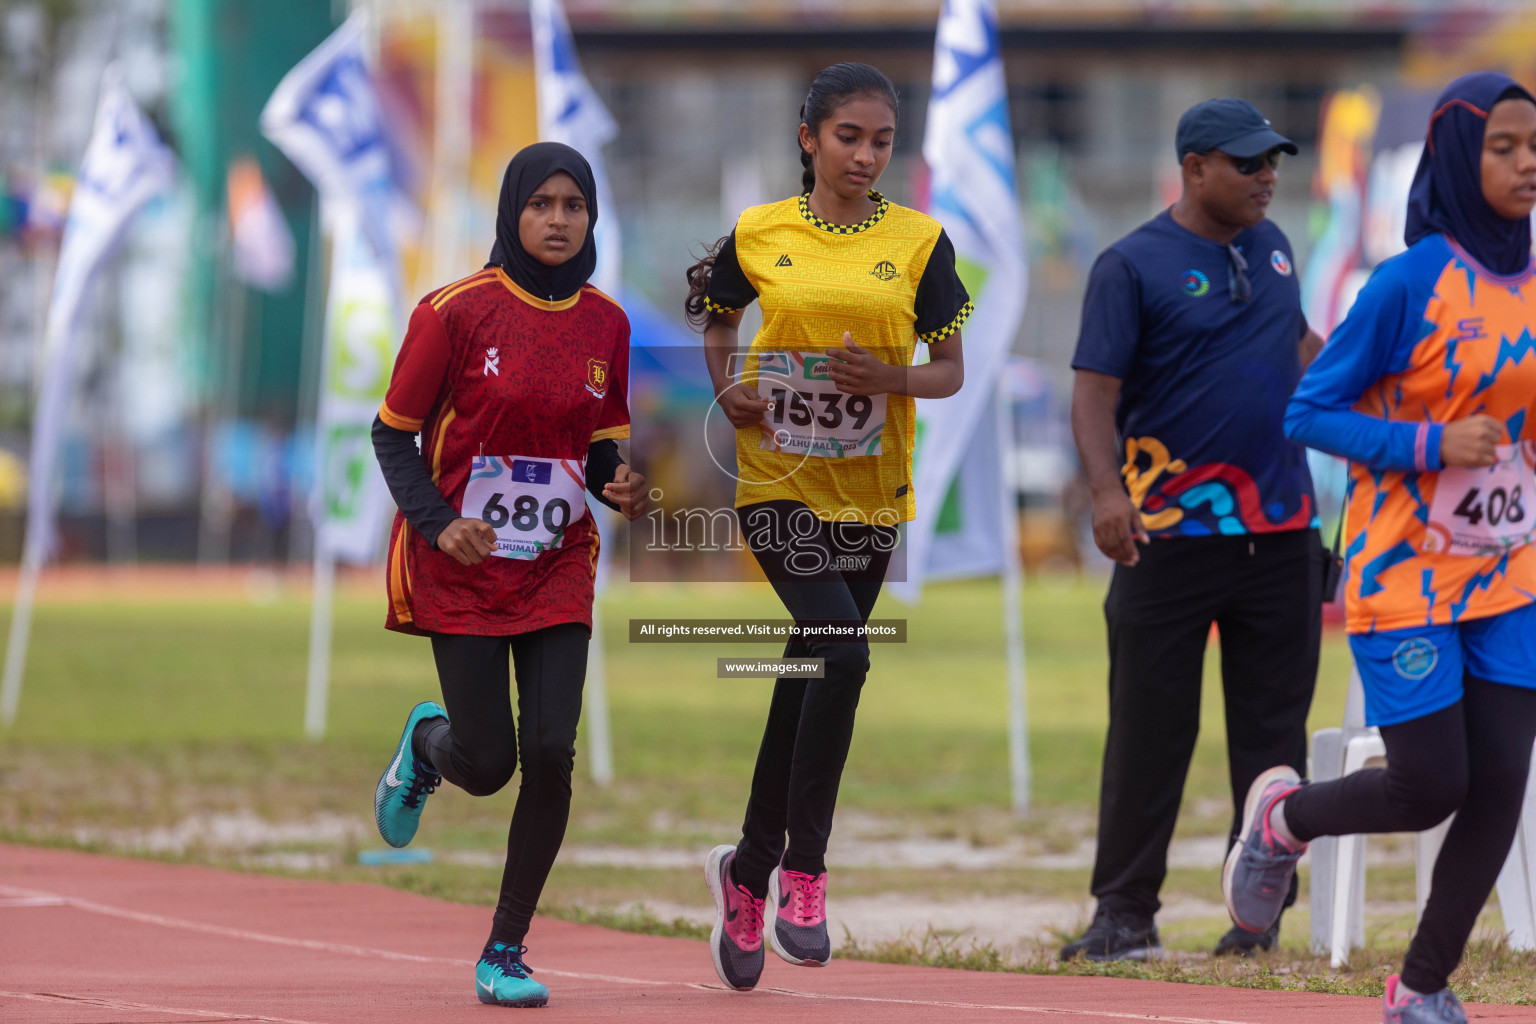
[(888, 281)]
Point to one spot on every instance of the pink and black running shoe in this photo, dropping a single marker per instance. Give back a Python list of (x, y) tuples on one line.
[(799, 932), (736, 942)]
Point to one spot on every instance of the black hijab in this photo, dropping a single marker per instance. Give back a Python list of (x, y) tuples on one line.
[(1447, 194), (527, 171)]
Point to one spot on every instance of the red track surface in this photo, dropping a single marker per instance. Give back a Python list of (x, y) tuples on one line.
[(88, 939)]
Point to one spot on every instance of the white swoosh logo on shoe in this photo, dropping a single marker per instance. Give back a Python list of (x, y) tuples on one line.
[(390, 776), (490, 990)]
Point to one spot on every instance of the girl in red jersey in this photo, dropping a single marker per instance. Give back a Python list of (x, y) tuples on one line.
[(515, 378)]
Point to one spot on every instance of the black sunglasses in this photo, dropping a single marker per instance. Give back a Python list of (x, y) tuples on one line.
[(1247, 165)]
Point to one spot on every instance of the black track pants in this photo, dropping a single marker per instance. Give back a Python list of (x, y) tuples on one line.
[(1264, 593), (820, 577), (478, 749)]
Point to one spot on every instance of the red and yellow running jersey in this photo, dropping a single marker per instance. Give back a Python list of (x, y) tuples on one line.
[(490, 375), (1434, 337)]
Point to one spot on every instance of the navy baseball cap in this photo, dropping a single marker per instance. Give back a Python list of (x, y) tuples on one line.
[(1231, 125)]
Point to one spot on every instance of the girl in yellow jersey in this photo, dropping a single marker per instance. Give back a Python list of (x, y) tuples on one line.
[(848, 284)]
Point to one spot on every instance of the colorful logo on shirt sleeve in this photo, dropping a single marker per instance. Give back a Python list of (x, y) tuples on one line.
[(1196, 283), (1281, 262)]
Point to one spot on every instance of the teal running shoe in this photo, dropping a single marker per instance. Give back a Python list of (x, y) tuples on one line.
[(405, 784), (501, 978)]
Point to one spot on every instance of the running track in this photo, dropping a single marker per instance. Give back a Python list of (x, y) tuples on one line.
[(89, 939)]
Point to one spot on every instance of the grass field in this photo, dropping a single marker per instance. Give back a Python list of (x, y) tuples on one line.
[(169, 723)]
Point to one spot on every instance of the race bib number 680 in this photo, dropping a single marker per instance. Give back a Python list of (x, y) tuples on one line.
[(528, 502)]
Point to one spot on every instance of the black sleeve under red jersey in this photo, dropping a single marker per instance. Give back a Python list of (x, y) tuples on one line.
[(413, 388)]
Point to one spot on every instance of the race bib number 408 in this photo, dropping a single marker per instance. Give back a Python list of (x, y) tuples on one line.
[(1486, 510), (809, 415), (528, 502)]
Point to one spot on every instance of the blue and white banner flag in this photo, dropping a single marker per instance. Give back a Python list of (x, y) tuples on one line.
[(571, 112), (325, 116), (968, 146), (125, 166)]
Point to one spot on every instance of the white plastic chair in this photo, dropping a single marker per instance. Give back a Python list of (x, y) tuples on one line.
[(1517, 881), (1338, 863)]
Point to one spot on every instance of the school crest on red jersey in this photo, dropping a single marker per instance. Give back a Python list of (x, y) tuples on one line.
[(597, 377)]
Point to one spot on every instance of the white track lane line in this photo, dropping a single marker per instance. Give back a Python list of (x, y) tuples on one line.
[(118, 1004), (34, 901), (54, 899)]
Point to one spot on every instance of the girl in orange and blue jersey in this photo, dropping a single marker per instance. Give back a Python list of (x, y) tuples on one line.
[(1428, 388)]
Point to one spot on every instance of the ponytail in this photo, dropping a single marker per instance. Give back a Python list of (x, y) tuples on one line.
[(694, 307)]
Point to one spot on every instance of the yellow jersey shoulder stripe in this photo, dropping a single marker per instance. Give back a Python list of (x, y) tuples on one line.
[(472, 281), (594, 290)]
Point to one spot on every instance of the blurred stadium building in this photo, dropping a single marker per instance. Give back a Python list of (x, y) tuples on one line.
[(189, 431)]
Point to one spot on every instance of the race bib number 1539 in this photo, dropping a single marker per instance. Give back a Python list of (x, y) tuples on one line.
[(809, 415)]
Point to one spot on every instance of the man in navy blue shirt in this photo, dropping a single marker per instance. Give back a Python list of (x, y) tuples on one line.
[(1192, 342)]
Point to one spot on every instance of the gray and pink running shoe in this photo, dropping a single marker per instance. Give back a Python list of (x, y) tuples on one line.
[(1436, 1008), (799, 932), (1257, 876), (736, 942)]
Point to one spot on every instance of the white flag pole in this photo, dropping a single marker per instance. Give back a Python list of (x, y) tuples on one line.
[(452, 136), (317, 690), (1013, 604), (21, 632), (317, 685), (569, 111), (599, 742)]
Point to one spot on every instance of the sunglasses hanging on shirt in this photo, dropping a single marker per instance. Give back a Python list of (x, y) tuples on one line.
[(1237, 275)]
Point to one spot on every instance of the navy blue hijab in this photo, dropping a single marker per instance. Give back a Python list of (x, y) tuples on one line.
[(527, 171), (1447, 194)]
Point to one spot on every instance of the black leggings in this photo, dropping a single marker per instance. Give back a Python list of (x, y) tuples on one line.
[(1470, 759), (476, 749), (819, 571)]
